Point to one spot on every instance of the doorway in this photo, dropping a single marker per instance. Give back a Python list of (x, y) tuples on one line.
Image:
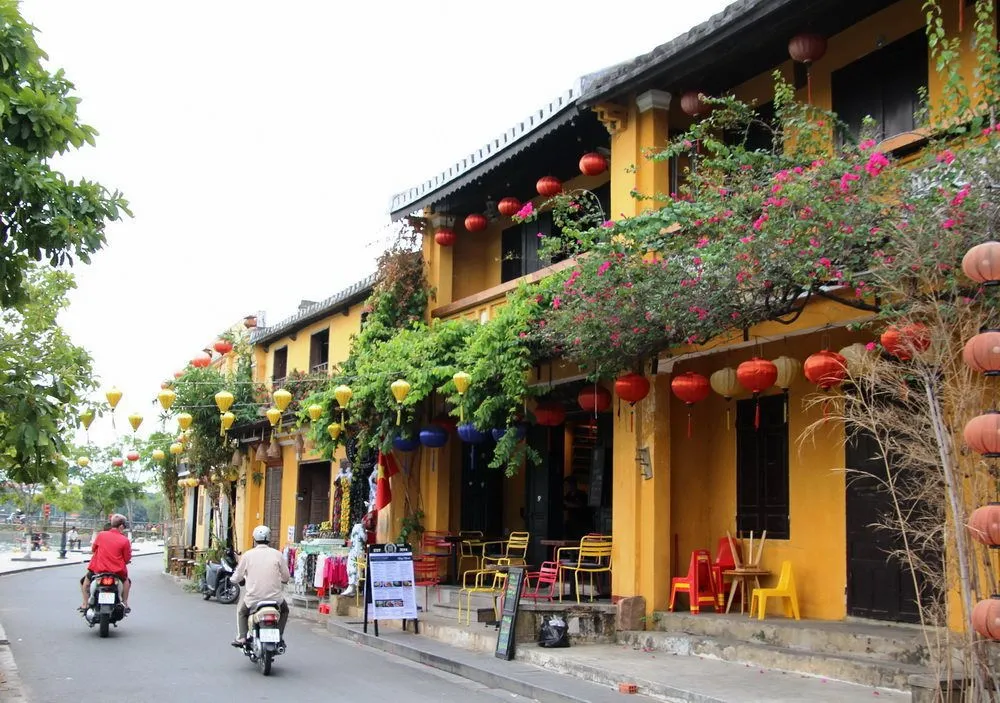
[(312, 499), (272, 503), (482, 491), (543, 484)]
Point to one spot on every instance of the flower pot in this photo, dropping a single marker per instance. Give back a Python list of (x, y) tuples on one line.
[(250, 321)]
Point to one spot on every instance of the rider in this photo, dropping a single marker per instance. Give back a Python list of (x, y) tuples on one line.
[(112, 551), (265, 571)]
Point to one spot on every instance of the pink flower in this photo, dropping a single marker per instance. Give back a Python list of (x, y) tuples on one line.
[(867, 144), (522, 335), (696, 261), (747, 239), (608, 224), (949, 223), (701, 243), (946, 157), (870, 346), (526, 210), (556, 302), (603, 268), (825, 262), (961, 195), (759, 222), (539, 235), (845, 181), (876, 164)]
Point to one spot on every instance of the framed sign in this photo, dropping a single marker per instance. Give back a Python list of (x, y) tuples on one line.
[(511, 601), (390, 593)]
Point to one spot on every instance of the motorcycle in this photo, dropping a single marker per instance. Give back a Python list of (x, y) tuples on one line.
[(264, 638), (217, 579), (105, 607)]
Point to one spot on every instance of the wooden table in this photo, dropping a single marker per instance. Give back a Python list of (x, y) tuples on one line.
[(740, 578), (556, 544)]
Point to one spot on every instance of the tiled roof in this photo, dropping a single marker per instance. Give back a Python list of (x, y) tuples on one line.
[(317, 311)]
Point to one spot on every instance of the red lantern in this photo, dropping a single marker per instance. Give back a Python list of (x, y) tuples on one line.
[(223, 346), (475, 222), (548, 186), (118, 462), (632, 387), (986, 618), (445, 237), (982, 434), (757, 375), (508, 207), (132, 456), (825, 368), (982, 353), (595, 399), (201, 360), (982, 263), (984, 525), (806, 48), (902, 343), (549, 414), (448, 423), (693, 105), (690, 387), (593, 164), (178, 374)]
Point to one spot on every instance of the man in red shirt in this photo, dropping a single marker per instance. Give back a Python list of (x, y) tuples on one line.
[(112, 551)]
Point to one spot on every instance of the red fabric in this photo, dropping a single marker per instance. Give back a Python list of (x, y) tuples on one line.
[(387, 467), (112, 551)]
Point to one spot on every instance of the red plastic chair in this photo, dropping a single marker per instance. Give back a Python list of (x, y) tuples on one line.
[(535, 580), (724, 561), (425, 574), (434, 546), (698, 583)]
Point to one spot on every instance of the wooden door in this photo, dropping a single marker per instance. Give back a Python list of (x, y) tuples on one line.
[(482, 491), (543, 499), (272, 503)]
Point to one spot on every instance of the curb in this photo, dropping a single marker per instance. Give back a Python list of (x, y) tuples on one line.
[(62, 562), (11, 688)]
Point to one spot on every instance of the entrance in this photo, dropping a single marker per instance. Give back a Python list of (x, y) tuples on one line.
[(482, 491), (312, 499), (879, 586), (543, 501), (272, 503)]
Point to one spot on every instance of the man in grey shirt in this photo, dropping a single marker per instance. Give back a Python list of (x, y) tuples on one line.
[(265, 571)]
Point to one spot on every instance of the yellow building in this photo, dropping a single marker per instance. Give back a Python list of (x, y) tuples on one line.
[(727, 476)]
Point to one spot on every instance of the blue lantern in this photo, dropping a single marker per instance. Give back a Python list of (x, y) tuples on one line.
[(468, 433), (499, 432), (433, 436), (405, 444)]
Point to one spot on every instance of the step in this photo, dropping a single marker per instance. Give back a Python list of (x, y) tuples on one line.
[(884, 642), (450, 611), (846, 666), (453, 596)]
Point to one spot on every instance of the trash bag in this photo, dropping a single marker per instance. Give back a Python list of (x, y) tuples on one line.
[(553, 632)]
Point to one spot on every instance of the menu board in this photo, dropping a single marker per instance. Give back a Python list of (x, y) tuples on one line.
[(390, 577), (511, 601)]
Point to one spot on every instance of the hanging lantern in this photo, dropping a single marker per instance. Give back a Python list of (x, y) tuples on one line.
[(475, 223), (691, 388), (176, 448), (632, 387), (86, 417), (468, 433), (807, 48), (82, 461), (201, 360), (273, 416), (224, 400), (400, 389), (903, 342), (982, 434), (725, 384), (158, 455), (984, 525), (405, 444), (178, 374), (433, 436), (445, 237), (856, 356), (343, 395), (223, 346), (757, 375), (261, 453), (693, 105), (334, 429), (282, 399), (548, 414), (184, 420), (117, 462), (825, 368), (982, 263), (788, 371), (135, 419), (508, 207), (132, 456), (462, 381), (498, 433), (166, 398), (593, 164), (227, 419), (986, 618), (113, 396), (982, 353), (594, 399), (315, 412), (548, 186)]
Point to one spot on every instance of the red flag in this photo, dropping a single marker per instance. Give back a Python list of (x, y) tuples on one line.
[(387, 467)]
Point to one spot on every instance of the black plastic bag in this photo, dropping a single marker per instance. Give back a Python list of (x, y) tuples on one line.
[(553, 632)]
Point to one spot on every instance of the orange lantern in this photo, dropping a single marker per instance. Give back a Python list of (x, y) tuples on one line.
[(445, 237), (692, 104), (508, 207), (223, 346), (984, 525), (593, 164), (691, 388), (549, 414), (806, 48), (982, 263), (986, 617), (201, 360), (982, 353), (548, 186), (825, 368), (475, 223), (982, 434), (595, 399), (632, 387), (757, 375), (904, 342)]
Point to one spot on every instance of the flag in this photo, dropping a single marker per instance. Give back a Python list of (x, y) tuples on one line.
[(387, 468)]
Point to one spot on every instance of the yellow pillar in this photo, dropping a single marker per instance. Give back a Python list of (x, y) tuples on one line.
[(439, 263)]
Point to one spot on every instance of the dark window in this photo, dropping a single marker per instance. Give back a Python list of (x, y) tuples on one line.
[(319, 351), (280, 369), (762, 467), (758, 135), (519, 247), (886, 85)]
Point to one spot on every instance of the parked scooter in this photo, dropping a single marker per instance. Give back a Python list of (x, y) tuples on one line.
[(264, 638), (105, 607), (217, 581)]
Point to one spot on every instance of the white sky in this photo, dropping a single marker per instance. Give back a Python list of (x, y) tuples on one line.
[(259, 142)]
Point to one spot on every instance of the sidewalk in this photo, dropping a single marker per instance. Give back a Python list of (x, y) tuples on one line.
[(50, 558)]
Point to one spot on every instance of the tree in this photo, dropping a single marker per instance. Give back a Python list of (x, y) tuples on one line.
[(105, 489), (43, 216)]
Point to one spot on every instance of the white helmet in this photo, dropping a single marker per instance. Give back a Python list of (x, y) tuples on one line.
[(261, 533)]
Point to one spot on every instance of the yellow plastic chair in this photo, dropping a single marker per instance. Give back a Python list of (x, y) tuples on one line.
[(491, 581), (593, 556), (515, 550), (784, 590), (359, 591), (471, 547)]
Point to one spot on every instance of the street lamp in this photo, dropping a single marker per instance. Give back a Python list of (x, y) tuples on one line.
[(62, 545)]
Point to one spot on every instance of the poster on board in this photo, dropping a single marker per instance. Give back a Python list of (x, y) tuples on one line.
[(390, 574)]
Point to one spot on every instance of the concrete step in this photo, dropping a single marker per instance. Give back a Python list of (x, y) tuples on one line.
[(450, 611), (883, 642), (452, 595), (845, 666)]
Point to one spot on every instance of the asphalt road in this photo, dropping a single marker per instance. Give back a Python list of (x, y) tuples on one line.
[(175, 646)]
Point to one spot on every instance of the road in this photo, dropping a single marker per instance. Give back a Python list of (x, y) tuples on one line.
[(175, 646)]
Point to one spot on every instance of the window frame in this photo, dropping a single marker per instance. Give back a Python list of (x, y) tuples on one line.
[(763, 499)]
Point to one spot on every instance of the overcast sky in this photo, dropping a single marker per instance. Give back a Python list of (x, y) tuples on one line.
[(259, 142)]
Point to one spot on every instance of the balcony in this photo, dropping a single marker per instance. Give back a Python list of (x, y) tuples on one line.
[(320, 368)]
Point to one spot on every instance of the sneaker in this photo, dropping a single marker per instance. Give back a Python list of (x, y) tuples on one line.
[(239, 642)]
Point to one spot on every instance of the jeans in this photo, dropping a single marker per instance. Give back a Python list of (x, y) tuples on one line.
[(243, 616)]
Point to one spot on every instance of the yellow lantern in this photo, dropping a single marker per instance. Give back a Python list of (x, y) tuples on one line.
[(334, 429), (462, 381), (184, 420), (315, 412), (224, 399), (82, 462), (176, 448), (273, 416), (86, 417), (343, 395), (788, 371), (113, 396), (724, 383), (135, 419), (282, 398), (166, 398), (159, 455), (227, 421), (400, 389)]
